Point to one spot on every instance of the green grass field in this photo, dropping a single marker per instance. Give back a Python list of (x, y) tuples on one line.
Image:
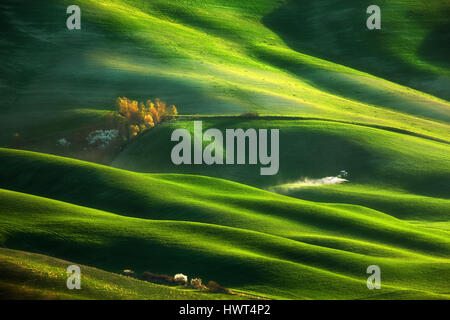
[(371, 155), (207, 58), (265, 244), (27, 275), (373, 103)]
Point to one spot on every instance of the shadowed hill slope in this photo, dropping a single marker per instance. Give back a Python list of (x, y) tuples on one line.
[(212, 57), (310, 149), (411, 47), (261, 241), (33, 276), (228, 57)]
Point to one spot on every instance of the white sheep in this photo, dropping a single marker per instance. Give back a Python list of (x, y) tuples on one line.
[(179, 277)]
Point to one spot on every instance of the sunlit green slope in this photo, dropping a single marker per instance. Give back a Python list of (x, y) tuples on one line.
[(399, 203), (247, 239), (381, 97), (215, 57), (411, 48), (27, 275), (399, 174), (310, 149)]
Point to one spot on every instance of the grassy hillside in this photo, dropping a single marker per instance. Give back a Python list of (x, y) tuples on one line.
[(411, 48), (398, 203), (265, 244), (27, 275), (373, 103), (215, 57), (399, 174), (311, 149)]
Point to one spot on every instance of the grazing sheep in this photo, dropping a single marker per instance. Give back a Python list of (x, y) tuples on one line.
[(181, 278)]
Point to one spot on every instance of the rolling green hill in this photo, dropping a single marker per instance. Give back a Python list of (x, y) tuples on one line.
[(27, 275), (399, 174), (258, 242), (374, 103), (398, 203), (215, 57), (311, 149), (411, 48)]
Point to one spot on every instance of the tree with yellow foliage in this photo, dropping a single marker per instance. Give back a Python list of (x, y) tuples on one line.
[(153, 112), (139, 117), (148, 121), (134, 130), (161, 108)]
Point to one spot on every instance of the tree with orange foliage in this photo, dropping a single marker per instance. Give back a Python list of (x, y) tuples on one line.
[(134, 130), (148, 121), (153, 112), (139, 117), (161, 108)]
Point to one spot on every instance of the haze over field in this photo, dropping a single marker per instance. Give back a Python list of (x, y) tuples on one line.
[(373, 103)]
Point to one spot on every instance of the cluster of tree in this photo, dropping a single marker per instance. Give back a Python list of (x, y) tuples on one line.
[(99, 141), (176, 280), (140, 117)]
